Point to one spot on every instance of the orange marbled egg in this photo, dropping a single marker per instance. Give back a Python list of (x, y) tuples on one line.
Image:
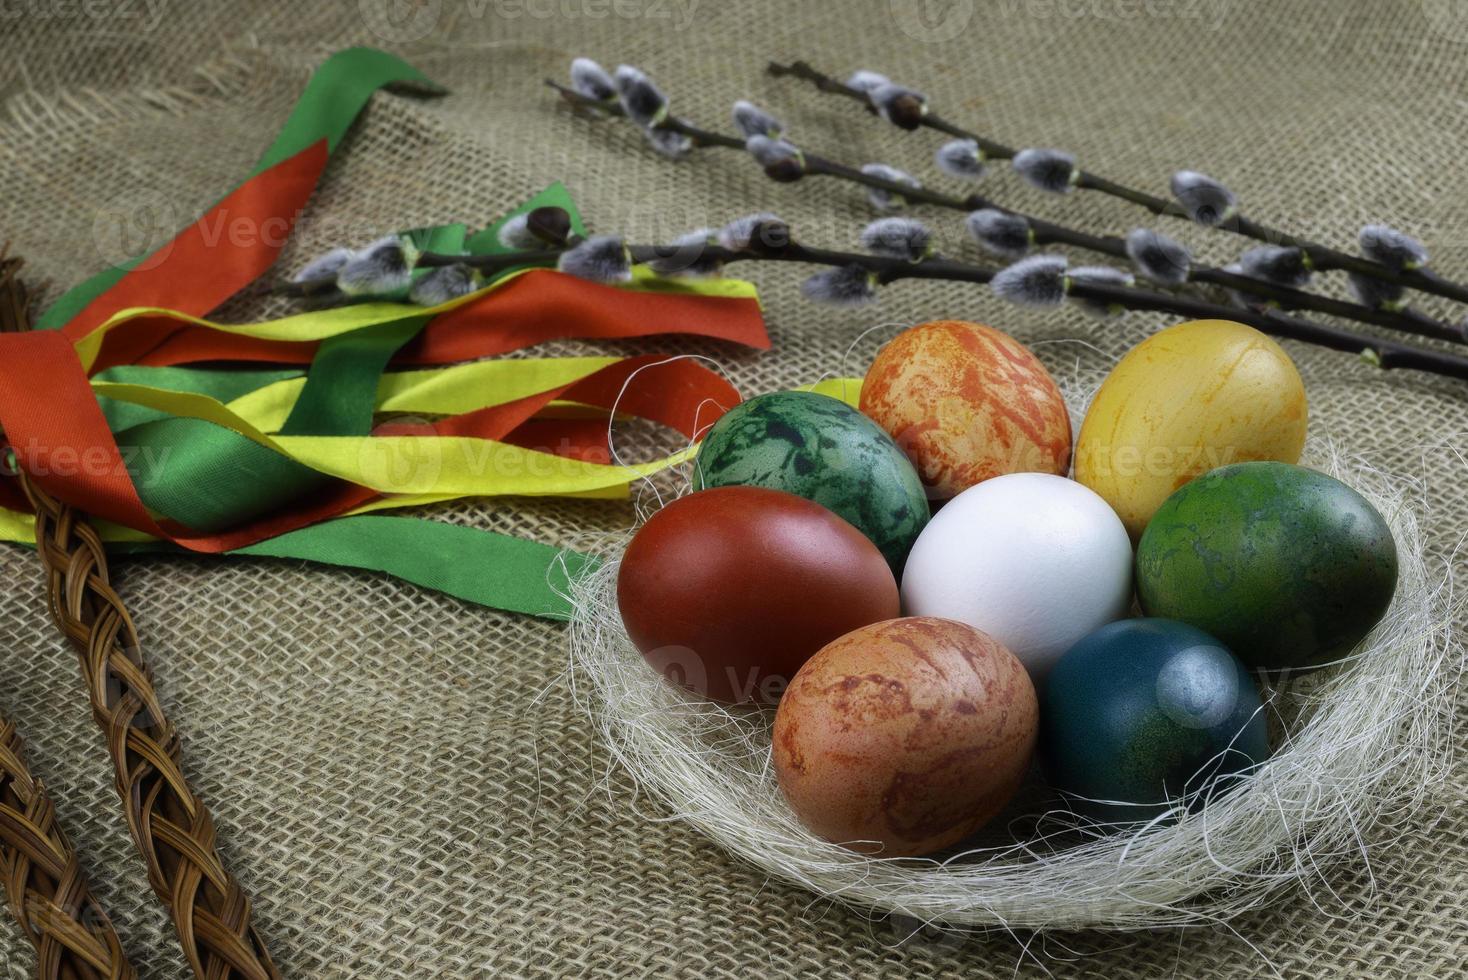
[(966, 403), (905, 736)]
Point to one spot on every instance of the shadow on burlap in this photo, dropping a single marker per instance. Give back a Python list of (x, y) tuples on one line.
[(402, 780)]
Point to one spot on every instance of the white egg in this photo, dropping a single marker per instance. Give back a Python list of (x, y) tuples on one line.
[(1036, 561)]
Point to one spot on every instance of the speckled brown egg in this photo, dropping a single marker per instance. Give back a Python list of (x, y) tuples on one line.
[(905, 736), (966, 403)]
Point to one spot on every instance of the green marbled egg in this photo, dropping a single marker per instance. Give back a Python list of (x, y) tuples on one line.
[(822, 449), (1285, 565)]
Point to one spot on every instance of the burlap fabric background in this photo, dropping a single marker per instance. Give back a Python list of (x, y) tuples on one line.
[(402, 780)]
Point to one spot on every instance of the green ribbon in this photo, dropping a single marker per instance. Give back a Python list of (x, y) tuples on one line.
[(483, 567), (478, 566)]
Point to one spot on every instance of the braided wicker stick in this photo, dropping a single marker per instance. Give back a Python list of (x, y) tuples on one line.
[(48, 895), (169, 823)]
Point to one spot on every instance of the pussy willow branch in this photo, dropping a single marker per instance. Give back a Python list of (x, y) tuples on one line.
[(1386, 353), (1322, 257), (1049, 233)]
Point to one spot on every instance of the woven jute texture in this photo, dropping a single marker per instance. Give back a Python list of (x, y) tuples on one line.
[(403, 781)]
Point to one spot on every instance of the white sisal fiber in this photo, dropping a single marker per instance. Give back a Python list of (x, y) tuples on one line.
[(1355, 744)]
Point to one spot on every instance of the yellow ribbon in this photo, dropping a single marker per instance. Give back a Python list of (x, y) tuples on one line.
[(449, 390)]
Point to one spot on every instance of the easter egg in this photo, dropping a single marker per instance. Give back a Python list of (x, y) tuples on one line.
[(728, 591), (1185, 401), (1034, 560), (1285, 565), (820, 448), (1147, 711), (905, 736), (966, 403)]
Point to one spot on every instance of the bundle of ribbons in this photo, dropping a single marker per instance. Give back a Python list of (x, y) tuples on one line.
[(133, 423), (107, 407)]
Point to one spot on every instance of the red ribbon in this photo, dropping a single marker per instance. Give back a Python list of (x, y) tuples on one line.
[(212, 259)]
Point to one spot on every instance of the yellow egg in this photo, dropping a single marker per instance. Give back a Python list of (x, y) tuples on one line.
[(1187, 400)]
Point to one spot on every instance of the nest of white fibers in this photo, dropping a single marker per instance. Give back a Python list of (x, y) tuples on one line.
[(1355, 745)]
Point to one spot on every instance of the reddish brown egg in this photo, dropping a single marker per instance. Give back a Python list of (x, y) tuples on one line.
[(966, 403), (729, 591), (904, 737)]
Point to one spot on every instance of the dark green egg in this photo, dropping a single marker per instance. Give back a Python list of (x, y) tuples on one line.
[(822, 449), (1144, 712), (1285, 565)]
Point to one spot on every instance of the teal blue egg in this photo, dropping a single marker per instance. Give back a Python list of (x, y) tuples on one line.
[(1144, 712), (822, 449)]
